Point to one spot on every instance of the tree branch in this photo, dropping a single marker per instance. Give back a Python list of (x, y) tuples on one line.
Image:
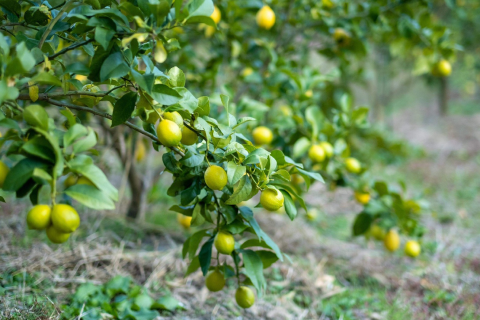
[(72, 47)]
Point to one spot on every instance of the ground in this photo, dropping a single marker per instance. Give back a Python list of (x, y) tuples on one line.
[(331, 275)]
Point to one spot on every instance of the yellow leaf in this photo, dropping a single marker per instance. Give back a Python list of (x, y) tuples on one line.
[(33, 91)]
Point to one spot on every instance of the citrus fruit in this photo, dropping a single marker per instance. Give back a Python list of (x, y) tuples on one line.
[(265, 17), (175, 117), (391, 240), (215, 281), (316, 153), (442, 68), (185, 221), (80, 77), (169, 133), (246, 72), (412, 248), (353, 165), (140, 151), (271, 199), (56, 236), (189, 137), (244, 297), (216, 15), (4, 170), (312, 214), (297, 179), (262, 135), (341, 37), (377, 232), (36, 116), (85, 180), (65, 218), (327, 148), (38, 218), (215, 177), (327, 4), (308, 93), (362, 197), (70, 181), (224, 242)]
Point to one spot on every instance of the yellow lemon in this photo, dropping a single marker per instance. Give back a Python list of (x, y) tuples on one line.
[(244, 297), (80, 77), (185, 221), (391, 240), (362, 197), (341, 37), (140, 151), (38, 218), (215, 177), (216, 15), (265, 17), (85, 180), (189, 137), (353, 165), (4, 170), (175, 117), (442, 68), (327, 148), (312, 214), (308, 93), (169, 133), (65, 218), (316, 153), (224, 242), (215, 281), (271, 199), (377, 232), (262, 135), (246, 72), (57, 236), (70, 181), (412, 248)]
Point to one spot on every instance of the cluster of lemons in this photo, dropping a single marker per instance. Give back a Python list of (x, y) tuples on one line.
[(59, 221), (391, 241), (171, 130)]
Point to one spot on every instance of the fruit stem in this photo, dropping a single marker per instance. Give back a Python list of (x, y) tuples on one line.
[(54, 190)]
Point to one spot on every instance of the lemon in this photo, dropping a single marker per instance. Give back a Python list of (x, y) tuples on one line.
[(189, 137), (169, 133), (316, 153), (215, 178), (70, 181), (85, 180), (246, 72), (65, 218), (185, 221), (57, 236), (391, 240), (341, 37), (262, 135), (4, 170), (38, 218), (297, 179), (377, 232), (353, 165), (327, 148), (442, 68), (412, 248), (140, 151), (308, 93), (265, 17), (175, 117), (215, 281), (224, 242), (328, 4), (312, 214), (271, 199), (362, 197), (244, 297), (80, 77), (216, 15)]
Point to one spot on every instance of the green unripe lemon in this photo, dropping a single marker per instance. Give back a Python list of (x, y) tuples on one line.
[(189, 137), (316, 153), (244, 297), (169, 133), (215, 178), (353, 165), (215, 281), (327, 148), (38, 218), (271, 199), (56, 236), (65, 218), (224, 242), (4, 170)]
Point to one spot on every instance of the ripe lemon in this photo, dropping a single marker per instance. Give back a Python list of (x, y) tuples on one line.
[(244, 297), (316, 153), (169, 133), (216, 15), (391, 240), (308, 93), (4, 170), (341, 37), (246, 72), (215, 178), (265, 17), (175, 117), (140, 151), (65, 218), (189, 137), (262, 135), (412, 248), (215, 281), (57, 236), (38, 218), (85, 180), (362, 197), (185, 221), (442, 68), (224, 242), (271, 199), (353, 165), (70, 181), (377, 232), (327, 148), (312, 214)]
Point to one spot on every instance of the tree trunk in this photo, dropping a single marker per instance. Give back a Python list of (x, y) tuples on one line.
[(443, 96)]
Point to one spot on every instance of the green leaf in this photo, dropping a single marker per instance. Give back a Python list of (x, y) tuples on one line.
[(22, 63), (235, 172), (200, 8), (76, 131), (193, 266), (253, 268), (177, 77), (104, 36), (362, 223), (86, 143), (47, 78), (39, 147), (21, 173), (203, 108), (167, 303), (36, 116), (300, 147), (243, 120), (268, 258), (124, 108), (165, 95), (118, 284), (314, 175), (289, 205), (113, 67), (12, 5), (241, 191), (192, 160), (90, 197), (191, 244), (205, 255)]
